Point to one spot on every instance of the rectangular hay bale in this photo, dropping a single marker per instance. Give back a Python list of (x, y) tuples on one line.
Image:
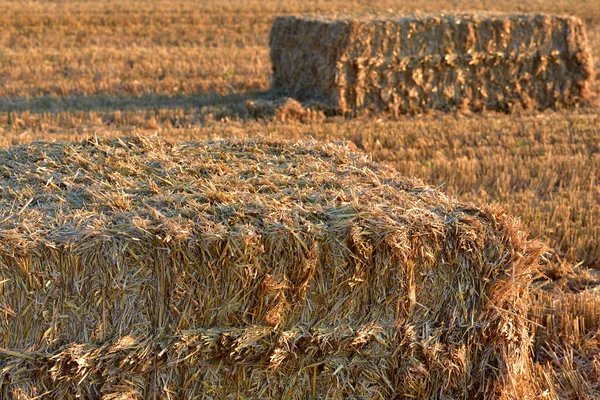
[(410, 64), (137, 268)]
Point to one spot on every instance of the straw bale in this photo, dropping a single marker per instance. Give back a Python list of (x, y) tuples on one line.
[(411, 63), (138, 268)]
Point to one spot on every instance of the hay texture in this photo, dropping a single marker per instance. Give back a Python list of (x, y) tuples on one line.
[(140, 269), (409, 64)]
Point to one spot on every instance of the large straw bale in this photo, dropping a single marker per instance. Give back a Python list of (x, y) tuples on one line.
[(408, 64), (136, 268)]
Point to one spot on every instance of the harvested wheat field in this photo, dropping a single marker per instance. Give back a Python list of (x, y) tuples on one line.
[(409, 64), (103, 318), (256, 269)]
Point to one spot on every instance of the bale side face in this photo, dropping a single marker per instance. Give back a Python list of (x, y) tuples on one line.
[(412, 64), (304, 55), (141, 268)]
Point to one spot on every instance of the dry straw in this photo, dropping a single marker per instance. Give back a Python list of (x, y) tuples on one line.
[(567, 343), (409, 64), (137, 268)]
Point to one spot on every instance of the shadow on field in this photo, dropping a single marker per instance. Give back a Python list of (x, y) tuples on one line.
[(235, 104), (152, 110)]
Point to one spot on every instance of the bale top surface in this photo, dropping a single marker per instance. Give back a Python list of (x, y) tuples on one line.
[(455, 17), (131, 187)]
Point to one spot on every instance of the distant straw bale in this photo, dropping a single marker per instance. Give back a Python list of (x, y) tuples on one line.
[(409, 64), (137, 268)]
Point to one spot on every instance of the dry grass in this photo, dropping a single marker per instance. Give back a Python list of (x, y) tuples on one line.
[(194, 71)]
